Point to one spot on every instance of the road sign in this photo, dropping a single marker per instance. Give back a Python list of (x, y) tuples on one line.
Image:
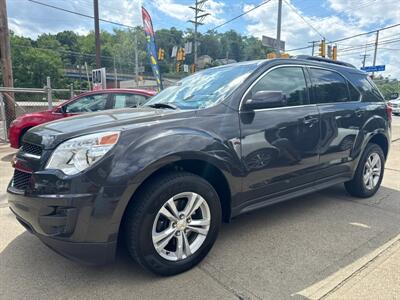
[(271, 43), (188, 47), (374, 68), (99, 79), (174, 51)]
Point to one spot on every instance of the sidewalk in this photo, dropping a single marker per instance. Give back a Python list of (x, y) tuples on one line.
[(6, 154), (378, 279), (374, 276)]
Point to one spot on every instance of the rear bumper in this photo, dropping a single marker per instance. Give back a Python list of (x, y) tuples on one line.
[(396, 110), (62, 224), (13, 136)]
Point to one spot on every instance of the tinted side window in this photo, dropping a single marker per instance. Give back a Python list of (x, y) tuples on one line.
[(128, 100), (369, 91), (88, 104), (329, 87), (289, 80), (354, 93)]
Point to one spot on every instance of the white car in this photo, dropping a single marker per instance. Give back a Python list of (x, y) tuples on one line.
[(395, 104)]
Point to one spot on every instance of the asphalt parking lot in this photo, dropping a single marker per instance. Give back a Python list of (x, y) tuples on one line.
[(279, 252)]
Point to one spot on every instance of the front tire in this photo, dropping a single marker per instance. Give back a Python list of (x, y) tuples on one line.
[(369, 174), (172, 223)]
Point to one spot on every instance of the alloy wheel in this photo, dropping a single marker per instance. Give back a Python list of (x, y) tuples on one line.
[(181, 226), (372, 171)]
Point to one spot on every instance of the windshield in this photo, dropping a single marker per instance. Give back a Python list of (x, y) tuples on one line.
[(205, 88)]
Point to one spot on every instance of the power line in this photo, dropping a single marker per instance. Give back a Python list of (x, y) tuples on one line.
[(80, 14), (241, 15), (385, 42), (349, 37), (365, 33), (304, 19)]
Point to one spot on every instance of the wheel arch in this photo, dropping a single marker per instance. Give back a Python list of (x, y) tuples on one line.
[(201, 167), (382, 141)]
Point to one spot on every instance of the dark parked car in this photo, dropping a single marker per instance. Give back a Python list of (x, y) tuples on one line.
[(219, 143), (84, 103)]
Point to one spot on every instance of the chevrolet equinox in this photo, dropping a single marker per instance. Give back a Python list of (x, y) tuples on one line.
[(219, 143)]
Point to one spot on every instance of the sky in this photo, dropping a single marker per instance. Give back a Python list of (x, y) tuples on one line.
[(302, 21)]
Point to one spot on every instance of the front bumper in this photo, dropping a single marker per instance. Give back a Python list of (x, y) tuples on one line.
[(63, 224)]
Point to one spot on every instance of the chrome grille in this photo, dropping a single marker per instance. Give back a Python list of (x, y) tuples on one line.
[(31, 149), (20, 179)]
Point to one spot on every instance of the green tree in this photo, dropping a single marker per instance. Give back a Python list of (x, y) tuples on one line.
[(32, 65)]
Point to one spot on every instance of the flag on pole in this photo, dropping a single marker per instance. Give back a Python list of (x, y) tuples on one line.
[(151, 47)]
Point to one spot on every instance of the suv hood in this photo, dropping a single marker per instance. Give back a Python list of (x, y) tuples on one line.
[(51, 134)]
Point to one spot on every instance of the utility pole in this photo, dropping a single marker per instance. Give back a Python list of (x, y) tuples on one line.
[(97, 33), (313, 47), (115, 75), (278, 29), (6, 65), (364, 56), (136, 61), (376, 49), (198, 19)]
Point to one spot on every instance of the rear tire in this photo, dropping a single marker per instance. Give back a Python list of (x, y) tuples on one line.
[(159, 219), (369, 174)]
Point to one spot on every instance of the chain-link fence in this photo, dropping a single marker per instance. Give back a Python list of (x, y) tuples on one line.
[(18, 101)]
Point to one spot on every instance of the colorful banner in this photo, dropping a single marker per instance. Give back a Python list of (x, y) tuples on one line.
[(151, 47)]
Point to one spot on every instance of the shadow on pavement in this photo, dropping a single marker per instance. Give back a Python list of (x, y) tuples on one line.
[(273, 253), (8, 157)]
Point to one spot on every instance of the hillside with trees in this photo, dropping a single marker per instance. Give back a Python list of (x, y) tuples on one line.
[(52, 54)]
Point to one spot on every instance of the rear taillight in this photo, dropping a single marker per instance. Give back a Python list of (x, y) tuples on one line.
[(389, 111)]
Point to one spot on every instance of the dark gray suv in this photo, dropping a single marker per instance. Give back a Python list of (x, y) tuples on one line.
[(219, 143)]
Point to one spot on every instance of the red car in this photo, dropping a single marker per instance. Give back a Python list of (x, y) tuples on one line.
[(84, 103)]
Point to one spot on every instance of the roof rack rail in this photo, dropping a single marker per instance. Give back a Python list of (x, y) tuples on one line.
[(326, 60)]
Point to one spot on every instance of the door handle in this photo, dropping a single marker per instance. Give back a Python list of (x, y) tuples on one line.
[(310, 120), (359, 112)]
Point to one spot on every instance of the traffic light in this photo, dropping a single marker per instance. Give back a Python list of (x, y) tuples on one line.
[(322, 48), (180, 55), (334, 53), (161, 54), (179, 67)]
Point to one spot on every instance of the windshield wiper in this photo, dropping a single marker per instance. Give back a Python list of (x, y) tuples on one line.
[(163, 105)]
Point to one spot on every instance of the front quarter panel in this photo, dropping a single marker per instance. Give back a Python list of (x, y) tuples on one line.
[(142, 152)]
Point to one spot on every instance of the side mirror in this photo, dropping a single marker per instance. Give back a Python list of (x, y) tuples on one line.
[(266, 99), (60, 110)]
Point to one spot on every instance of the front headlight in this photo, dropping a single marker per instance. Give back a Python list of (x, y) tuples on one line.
[(77, 154)]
